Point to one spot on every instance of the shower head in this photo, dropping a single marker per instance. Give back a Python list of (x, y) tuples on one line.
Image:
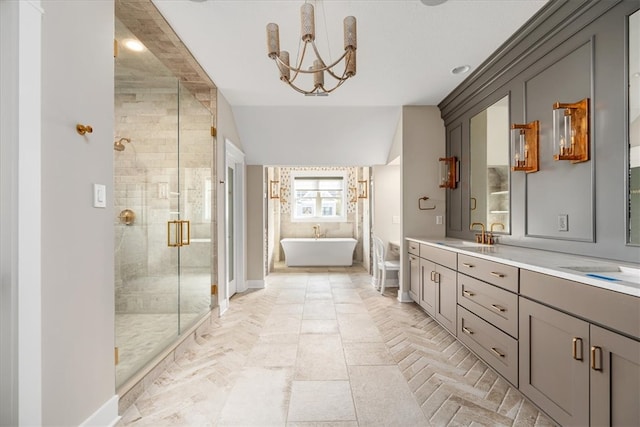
[(118, 145)]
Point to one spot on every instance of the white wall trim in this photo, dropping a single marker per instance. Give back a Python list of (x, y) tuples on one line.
[(106, 415), (404, 297), (233, 155), (256, 284)]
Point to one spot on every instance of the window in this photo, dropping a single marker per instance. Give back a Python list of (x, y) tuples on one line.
[(319, 198)]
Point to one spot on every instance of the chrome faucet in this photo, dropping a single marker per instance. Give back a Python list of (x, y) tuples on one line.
[(480, 238), (316, 231)]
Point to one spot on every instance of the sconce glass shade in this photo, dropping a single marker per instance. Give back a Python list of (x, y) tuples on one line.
[(571, 131), (448, 173), (524, 147)]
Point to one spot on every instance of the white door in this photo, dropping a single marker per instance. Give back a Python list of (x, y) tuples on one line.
[(234, 219)]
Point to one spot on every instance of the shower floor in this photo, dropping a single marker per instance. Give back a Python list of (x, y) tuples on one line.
[(145, 322), (139, 337)]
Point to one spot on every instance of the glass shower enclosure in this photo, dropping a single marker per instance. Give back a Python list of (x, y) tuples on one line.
[(163, 156)]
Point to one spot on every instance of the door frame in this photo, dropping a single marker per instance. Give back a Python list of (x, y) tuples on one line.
[(233, 156)]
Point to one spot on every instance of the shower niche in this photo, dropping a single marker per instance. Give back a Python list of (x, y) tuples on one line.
[(163, 157)]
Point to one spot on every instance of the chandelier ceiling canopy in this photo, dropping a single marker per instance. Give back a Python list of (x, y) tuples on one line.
[(289, 73)]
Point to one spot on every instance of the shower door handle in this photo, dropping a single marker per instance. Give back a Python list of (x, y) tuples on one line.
[(185, 241), (176, 235)]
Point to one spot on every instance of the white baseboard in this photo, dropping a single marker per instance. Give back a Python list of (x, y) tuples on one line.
[(404, 297), (106, 415), (256, 284)]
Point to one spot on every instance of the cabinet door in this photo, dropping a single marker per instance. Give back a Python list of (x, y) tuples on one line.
[(554, 362), (615, 379), (446, 291), (414, 278), (428, 287)]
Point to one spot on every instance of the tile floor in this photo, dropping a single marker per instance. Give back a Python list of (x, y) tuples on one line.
[(320, 347)]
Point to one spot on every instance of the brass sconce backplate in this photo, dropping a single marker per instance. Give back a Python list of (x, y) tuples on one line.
[(528, 161), (363, 191), (448, 175), (274, 189)]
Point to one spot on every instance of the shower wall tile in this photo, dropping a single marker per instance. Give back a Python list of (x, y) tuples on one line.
[(149, 118)]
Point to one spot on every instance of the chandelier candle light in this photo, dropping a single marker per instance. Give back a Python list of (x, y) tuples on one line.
[(319, 66)]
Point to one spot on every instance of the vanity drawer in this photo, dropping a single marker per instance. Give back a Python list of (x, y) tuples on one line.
[(498, 274), (495, 305), (496, 348), (439, 256), (413, 247)]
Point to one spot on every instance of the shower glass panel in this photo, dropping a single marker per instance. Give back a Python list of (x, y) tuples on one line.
[(162, 184), (195, 166)]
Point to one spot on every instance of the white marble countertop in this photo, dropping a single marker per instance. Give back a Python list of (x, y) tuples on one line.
[(596, 272)]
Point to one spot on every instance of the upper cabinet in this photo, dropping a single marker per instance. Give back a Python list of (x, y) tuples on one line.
[(569, 54)]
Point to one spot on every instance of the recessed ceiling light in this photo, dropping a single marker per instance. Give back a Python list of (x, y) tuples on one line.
[(432, 2), (461, 69), (134, 45)]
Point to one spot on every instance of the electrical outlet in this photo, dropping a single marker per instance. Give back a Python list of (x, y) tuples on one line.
[(438, 219), (563, 222)]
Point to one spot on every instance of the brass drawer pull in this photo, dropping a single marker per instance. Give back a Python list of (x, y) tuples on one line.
[(468, 293), (412, 258), (468, 265), (596, 363), (497, 353), (498, 308), (575, 348), (500, 275), (467, 330), (413, 247)]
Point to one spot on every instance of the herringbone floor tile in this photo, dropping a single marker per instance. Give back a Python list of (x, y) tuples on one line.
[(320, 347)]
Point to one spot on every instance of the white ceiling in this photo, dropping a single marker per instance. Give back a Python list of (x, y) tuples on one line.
[(406, 51)]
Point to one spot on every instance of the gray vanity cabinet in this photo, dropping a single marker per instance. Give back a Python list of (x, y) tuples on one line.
[(427, 287), (615, 379), (438, 295), (554, 362), (578, 372), (414, 277), (432, 282)]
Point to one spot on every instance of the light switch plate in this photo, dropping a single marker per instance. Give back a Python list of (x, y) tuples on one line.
[(563, 222), (99, 196)]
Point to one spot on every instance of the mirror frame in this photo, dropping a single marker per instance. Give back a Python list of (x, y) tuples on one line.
[(630, 46)]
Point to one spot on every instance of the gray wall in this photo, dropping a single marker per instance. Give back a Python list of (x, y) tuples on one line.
[(422, 144), (78, 368), (255, 225), (569, 51)]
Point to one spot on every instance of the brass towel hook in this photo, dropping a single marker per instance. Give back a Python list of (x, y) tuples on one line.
[(420, 200), (82, 129)]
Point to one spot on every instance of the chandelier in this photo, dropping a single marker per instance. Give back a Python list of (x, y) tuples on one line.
[(319, 65)]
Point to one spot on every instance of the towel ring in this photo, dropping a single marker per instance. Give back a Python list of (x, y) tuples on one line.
[(420, 200)]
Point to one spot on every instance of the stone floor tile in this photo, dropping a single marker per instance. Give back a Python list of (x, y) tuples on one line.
[(321, 401)]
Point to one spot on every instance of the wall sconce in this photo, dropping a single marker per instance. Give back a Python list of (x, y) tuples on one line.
[(448, 172), (274, 189), (524, 147), (363, 189), (571, 131)]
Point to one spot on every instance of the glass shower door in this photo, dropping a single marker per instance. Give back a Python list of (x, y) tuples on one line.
[(195, 166)]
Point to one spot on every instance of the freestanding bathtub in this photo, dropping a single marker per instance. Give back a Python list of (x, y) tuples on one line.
[(325, 252)]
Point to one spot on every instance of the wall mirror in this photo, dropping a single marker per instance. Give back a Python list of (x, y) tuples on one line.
[(489, 153), (634, 128)]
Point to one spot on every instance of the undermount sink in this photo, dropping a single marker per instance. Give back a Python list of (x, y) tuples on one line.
[(470, 245), (612, 273)]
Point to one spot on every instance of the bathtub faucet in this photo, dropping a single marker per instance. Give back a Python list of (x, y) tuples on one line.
[(316, 231)]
